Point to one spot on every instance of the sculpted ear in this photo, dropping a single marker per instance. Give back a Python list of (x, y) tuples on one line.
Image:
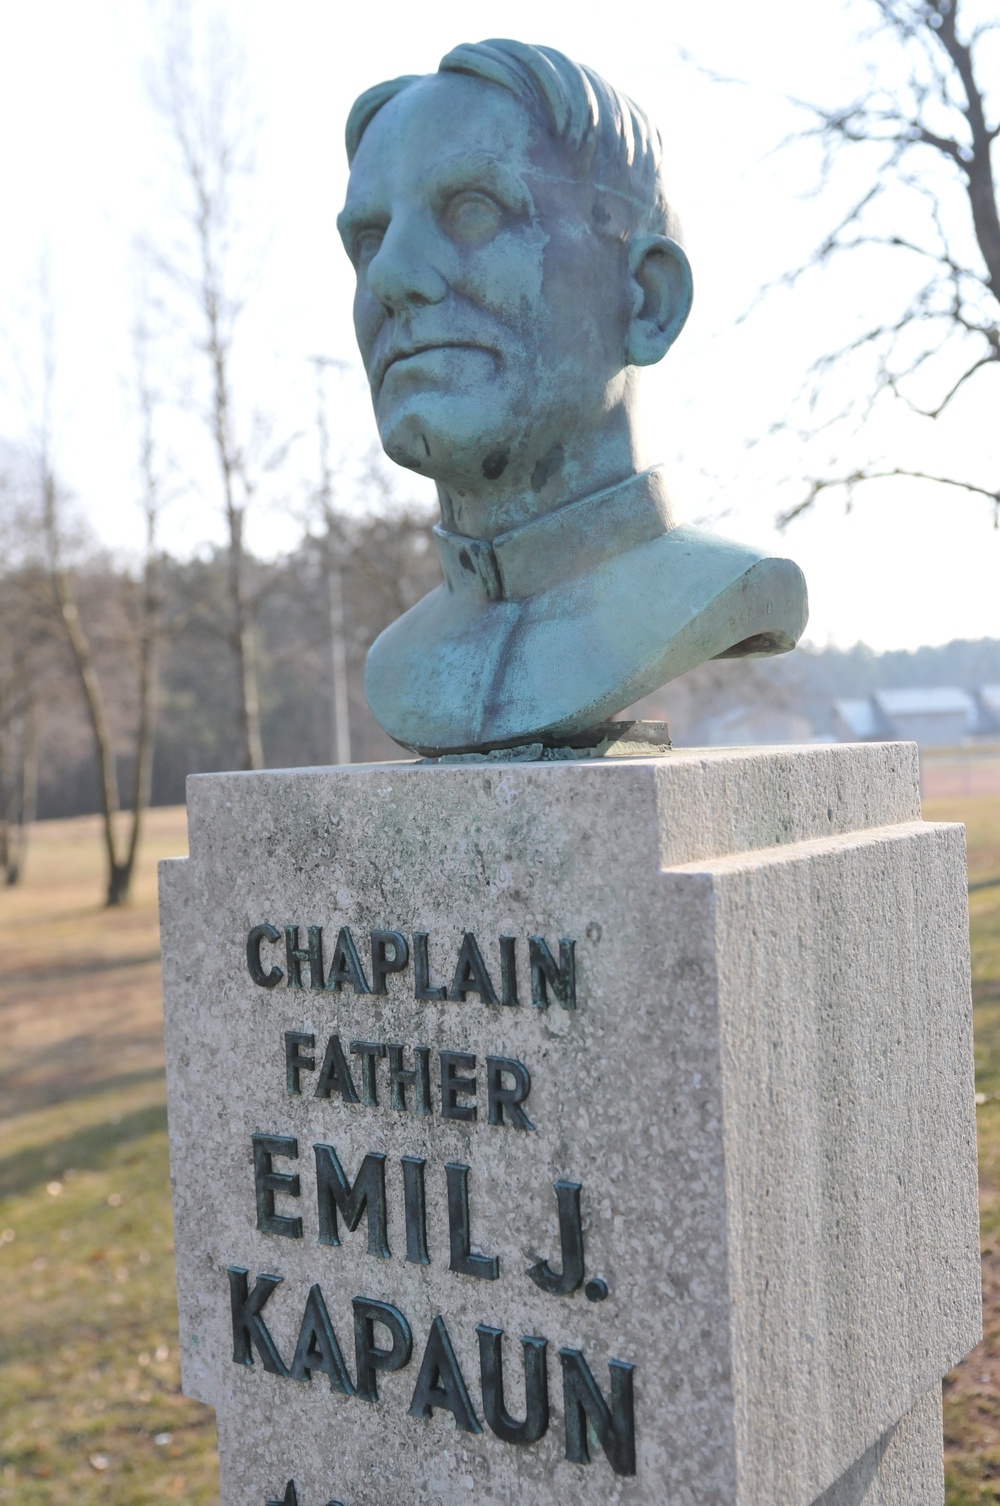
[(662, 290)]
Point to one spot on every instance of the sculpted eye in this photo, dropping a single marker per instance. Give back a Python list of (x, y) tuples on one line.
[(472, 218), (366, 244)]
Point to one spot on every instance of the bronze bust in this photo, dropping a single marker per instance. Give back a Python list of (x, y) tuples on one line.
[(517, 265)]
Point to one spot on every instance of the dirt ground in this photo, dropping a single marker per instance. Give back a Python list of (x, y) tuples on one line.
[(80, 990)]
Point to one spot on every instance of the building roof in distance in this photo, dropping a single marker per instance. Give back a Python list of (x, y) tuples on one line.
[(933, 700), (860, 716)]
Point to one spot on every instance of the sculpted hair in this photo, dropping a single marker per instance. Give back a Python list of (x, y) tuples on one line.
[(611, 140)]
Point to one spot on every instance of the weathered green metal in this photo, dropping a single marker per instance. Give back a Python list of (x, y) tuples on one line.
[(517, 265)]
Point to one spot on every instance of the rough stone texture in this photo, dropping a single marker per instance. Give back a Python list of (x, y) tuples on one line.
[(904, 1468), (765, 1090)]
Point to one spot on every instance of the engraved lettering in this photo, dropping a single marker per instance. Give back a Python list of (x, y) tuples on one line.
[(583, 1403), (311, 953), (267, 1182), (423, 988), (317, 1347), (422, 1057), (454, 1087), (463, 1260), (505, 1102), (415, 1206), (508, 971), (369, 1052), (546, 976), (335, 1074), (561, 1283), (536, 1390), (295, 1062), (290, 1498), (346, 965), (334, 1192), (551, 980), (441, 1383), (258, 934), (471, 974), (250, 1332), (370, 1359), (390, 954)]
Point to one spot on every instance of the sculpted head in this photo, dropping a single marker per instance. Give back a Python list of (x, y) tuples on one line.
[(517, 263)]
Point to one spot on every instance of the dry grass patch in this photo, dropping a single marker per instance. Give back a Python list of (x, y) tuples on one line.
[(972, 1391), (89, 1389)]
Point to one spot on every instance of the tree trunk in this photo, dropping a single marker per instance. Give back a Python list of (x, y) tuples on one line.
[(103, 741), (244, 644), (233, 475), (978, 166), (148, 681), (5, 815), (341, 730), (25, 784)]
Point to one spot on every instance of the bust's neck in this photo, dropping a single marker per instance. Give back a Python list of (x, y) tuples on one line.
[(532, 485), (549, 549)]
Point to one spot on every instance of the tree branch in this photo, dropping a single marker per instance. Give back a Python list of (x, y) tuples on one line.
[(979, 168), (817, 487)]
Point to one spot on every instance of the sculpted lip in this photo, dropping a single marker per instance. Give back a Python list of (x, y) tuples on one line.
[(405, 353)]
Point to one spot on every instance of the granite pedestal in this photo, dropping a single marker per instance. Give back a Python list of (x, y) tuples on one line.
[(595, 1130)]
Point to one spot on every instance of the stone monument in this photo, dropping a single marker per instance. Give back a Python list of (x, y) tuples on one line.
[(559, 1117)]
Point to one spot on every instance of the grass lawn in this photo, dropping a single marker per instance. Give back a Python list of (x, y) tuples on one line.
[(89, 1385), (89, 1396), (972, 1393)]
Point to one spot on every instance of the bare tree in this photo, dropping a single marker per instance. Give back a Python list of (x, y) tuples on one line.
[(333, 549), (924, 142), (120, 852), (150, 591), (203, 101), (18, 783), (25, 681)]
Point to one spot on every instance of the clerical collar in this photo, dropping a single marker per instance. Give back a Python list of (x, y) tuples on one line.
[(558, 545)]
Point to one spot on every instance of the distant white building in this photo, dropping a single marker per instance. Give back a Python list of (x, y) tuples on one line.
[(755, 724), (934, 717), (988, 709), (859, 721)]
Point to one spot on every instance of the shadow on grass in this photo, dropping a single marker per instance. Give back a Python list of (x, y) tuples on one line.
[(89, 1149), (84, 965), (22, 1095)]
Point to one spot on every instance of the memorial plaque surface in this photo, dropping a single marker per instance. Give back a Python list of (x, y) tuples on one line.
[(595, 1130)]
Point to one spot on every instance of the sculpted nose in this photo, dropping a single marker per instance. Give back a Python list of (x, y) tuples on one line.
[(401, 274)]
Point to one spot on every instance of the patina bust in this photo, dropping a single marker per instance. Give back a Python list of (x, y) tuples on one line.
[(517, 265)]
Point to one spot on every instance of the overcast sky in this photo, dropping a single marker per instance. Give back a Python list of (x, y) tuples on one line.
[(87, 172)]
